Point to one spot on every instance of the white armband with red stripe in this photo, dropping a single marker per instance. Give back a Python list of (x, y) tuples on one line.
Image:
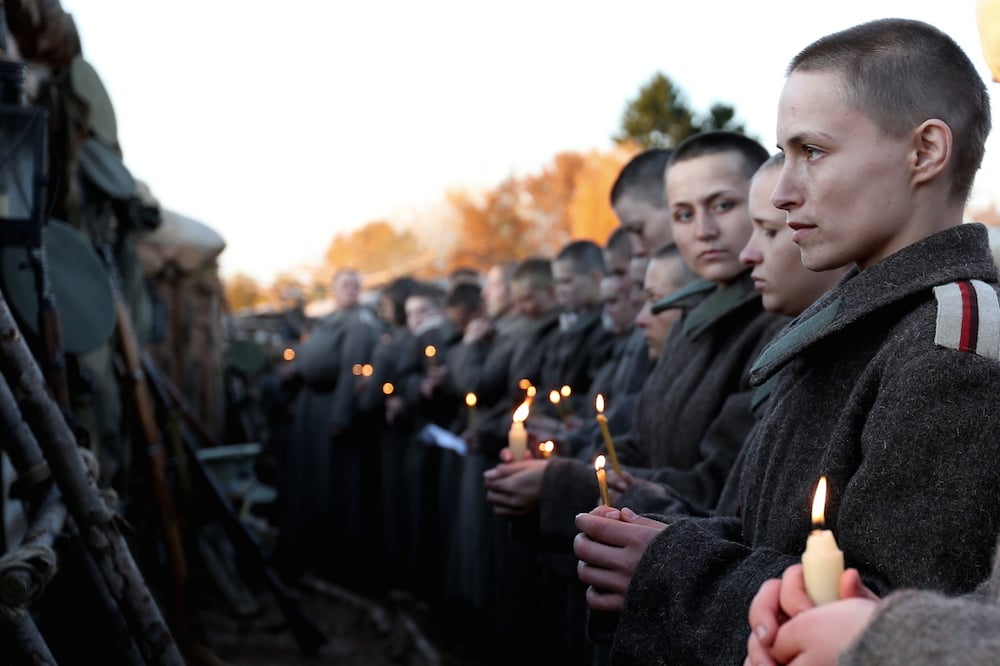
[(968, 317)]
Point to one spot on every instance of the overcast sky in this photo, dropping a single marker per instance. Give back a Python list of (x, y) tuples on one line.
[(282, 124)]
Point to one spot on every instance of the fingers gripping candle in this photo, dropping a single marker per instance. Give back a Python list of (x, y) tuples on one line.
[(822, 561)]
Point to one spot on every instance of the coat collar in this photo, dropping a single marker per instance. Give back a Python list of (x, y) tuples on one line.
[(719, 303), (961, 252)]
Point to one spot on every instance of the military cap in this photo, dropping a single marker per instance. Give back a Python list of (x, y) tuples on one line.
[(104, 169), (78, 282), (87, 85)]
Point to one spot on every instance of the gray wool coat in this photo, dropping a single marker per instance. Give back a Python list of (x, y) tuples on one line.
[(923, 628), (905, 431), (692, 414)]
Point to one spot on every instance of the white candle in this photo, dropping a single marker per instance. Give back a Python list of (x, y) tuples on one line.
[(517, 436), (822, 561), (602, 480)]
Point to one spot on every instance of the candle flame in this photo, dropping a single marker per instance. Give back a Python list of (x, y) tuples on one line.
[(599, 403), (546, 448), (530, 392), (554, 397), (356, 369), (565, 391), (388, 388), (521, 413), (470, 399), (819, 503), (288, 354), (367, 370), (599, 462), (524, 384), (430, 351)]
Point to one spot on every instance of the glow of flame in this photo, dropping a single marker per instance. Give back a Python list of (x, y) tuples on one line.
[(599, 403), (524, 384), (530, 392), (470, 399), (819, 503), (554, 397), (367, 370), (356, 369), (430, 351), (546, 448), (388, 388), (288, 354), (599, 462), (521, 413), (565, 391)]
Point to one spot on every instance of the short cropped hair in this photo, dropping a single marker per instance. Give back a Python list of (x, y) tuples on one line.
[(901, 72), (682, 273), (722, 141), (584, 256), (642, 177), (619, 242), (464, 295), (536, 272), (433, 293)]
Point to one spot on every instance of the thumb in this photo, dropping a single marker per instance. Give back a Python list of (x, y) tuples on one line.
[(852, 586)]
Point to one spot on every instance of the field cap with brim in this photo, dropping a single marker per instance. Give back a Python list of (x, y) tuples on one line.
[(78, 282), (684, 297), (87, 85), (104, 169)]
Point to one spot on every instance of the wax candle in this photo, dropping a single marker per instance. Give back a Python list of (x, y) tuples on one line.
[(602, 480), (517, 436), (470, 402), (602, 421), (565, 391), (822, 561)]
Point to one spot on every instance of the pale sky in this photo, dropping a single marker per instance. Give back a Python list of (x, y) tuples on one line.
[(282, 124)]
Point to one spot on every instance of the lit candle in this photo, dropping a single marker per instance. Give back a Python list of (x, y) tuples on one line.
[(367, 370), (356, 369), (546, 448), (565, 391), (430, 351), (602, 480), (602, 421), (555, 399), (388, 388), (470, 402), (822, 561), (517, 436), (288, 354)]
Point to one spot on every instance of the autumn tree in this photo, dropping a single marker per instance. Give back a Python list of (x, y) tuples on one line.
[(377, 246), (242, 292), (659, 116), (493, 226)]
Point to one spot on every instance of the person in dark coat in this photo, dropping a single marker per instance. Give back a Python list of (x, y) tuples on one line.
[(324, 468), (875, 387)]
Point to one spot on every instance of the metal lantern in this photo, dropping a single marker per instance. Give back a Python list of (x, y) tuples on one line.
[(23, 160)]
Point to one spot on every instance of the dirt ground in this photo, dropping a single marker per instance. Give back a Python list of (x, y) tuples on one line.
[(359, 631)]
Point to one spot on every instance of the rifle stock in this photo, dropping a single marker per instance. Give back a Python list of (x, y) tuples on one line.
[(156, 457), (308, 636)]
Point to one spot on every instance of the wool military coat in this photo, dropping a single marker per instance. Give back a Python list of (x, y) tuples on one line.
[(692, 413), (904, 429)]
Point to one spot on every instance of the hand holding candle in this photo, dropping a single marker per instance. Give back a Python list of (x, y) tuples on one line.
[(517, 436), (602, 480), (602, 421), (822, 561)]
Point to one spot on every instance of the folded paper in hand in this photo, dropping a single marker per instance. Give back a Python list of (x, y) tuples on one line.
[(435, 435)]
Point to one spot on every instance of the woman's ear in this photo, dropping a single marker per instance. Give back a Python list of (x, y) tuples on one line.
[(932, 144)]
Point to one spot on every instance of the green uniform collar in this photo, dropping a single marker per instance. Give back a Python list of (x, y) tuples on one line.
[(719, 303), (682, 298)]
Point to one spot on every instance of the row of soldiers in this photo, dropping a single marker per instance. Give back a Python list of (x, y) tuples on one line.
[(400, 409)]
